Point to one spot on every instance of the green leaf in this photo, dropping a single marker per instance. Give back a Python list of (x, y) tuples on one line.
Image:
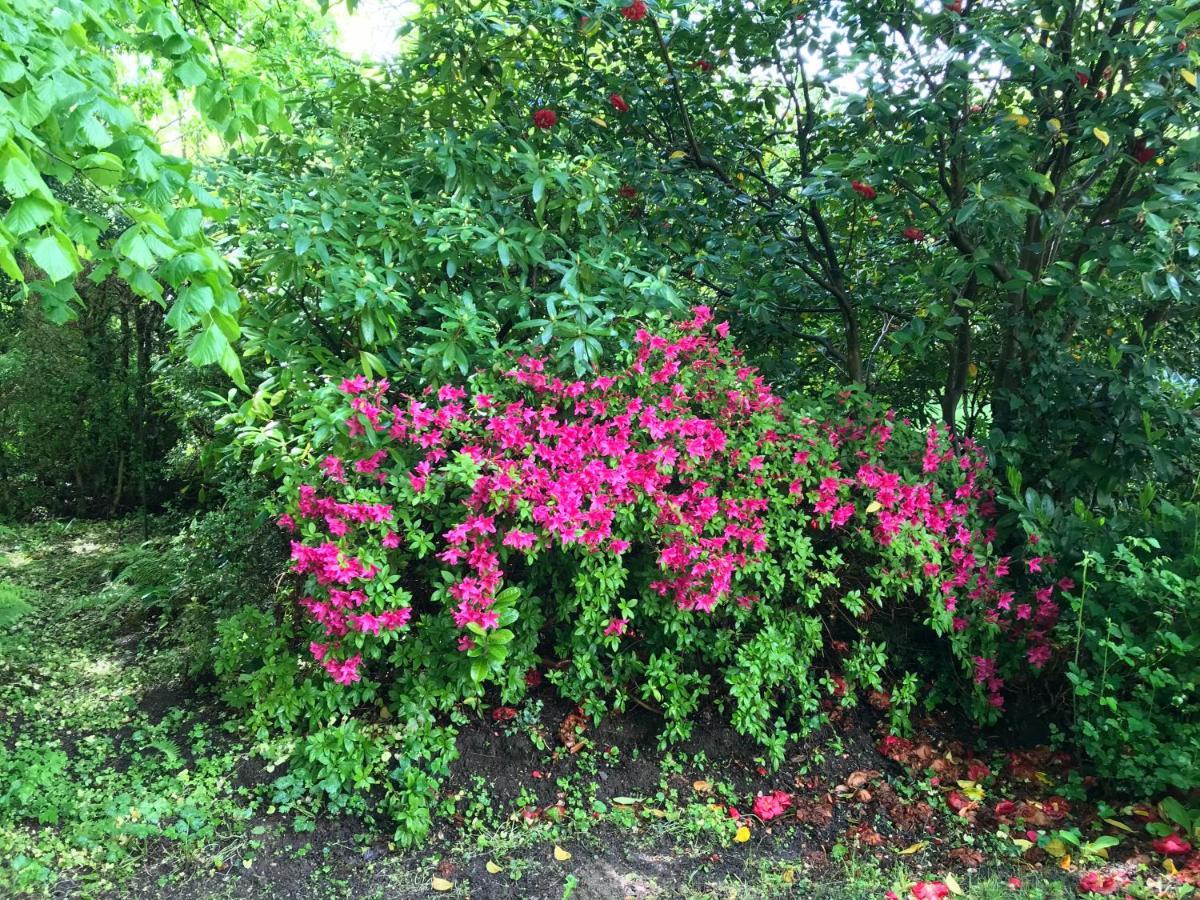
[(208, 346), (191, 73), (20, 176), (95, 132), (29, 213), (55, 255)]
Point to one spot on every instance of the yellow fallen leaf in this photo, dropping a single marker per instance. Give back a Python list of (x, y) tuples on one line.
[(599, 121), (914, 848), (874, 506), (789, 875), (1113, 822), (1101, 135), (1056, 848), (743, 835), (1169, 867), (972, 370), (1056, 124), (951, 882), (701, 787), (971, 790), (1065, 863), (560, 854), (679, 154), (493, 868), (441, 884), (1189, 76), (1021, 120)]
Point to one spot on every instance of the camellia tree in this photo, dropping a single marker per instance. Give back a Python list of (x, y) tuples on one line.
[(987, 208)]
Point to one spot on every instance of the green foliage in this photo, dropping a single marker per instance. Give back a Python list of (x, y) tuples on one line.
[(1137, 663), (386, 760), (87, 186), (12, 604), (988, 217)]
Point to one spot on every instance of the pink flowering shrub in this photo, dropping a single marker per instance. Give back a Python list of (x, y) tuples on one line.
[(672, 528)]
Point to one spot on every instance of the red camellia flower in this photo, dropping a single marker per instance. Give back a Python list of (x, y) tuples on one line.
[(1099, 883), (913, 234), (929, 890), (618, 102), (1005, 808), (772, 805), (703, 65), (955, 6), (957, 801), (545, 118), (1056, 808), (503, 714), (1142, 153), (865, 190), (1014, 883), (1082, 78), (977, 771), (635, 11), (533, 678), (1171, 845)]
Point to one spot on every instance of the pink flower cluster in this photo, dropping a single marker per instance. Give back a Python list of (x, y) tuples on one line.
[(686, 456)]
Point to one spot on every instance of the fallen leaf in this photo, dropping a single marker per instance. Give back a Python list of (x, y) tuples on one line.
[(874, 506), (1056, 848), (858, 779), (743, 835), (560, 854), (679, 154), (972, 859), (1169, 867), (1065, 863), (914, 848), (1056, 124), (441, 884), (1189, 76), (701, 787), (1101, 135), (625, 801), (789, 875), (599, 121), (1021, 120), (951, 882), (493, 868)]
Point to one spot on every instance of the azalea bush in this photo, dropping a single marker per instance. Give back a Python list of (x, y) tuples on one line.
[(673, 531)]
